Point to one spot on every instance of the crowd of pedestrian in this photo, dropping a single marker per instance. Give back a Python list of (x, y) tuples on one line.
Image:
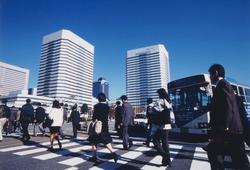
[(228, 126)]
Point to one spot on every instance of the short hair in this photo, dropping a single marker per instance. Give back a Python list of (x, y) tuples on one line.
[(101, 97), (28, 100), (118, 103), (74, 107), (149, 100), (219, 68), (56, 104), (39, 104), (123, 97)]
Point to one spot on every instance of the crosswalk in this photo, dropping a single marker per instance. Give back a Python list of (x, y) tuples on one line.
[(76, 153)]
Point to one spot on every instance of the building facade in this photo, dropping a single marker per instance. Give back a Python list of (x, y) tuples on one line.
[(101, 86), (66, 68), (147, 69), (12, 78)]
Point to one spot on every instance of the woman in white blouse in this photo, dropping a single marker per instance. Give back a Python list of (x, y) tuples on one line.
[(161, 126), (56, 114)]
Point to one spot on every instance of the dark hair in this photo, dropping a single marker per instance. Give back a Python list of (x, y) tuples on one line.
[(219, 68), (101, 97), (123, 97), (163, 94), (149, 100), (74, 107), (56, 104), (28, 100), (39, 104), (118, 102)]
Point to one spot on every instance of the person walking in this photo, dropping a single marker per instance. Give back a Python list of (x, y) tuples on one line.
[(225, 124), (55, 114), (6, 114), (118, 118), (3, 120), (149, 111), (127, 122), (75, 117), (101, 112), (161, 125), (26, 117), (39, 119)]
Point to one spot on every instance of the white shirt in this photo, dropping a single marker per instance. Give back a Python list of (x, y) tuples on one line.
[(56, 114)]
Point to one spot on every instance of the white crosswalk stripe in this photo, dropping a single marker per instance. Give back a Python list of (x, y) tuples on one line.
[(83, 153)]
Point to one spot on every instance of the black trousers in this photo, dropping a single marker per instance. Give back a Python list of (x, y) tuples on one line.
[(160, 140), (75, 126), (25, 126), (125, 137), (232, 146)]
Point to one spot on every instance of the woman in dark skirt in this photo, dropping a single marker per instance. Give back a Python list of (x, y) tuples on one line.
[(101, 111)]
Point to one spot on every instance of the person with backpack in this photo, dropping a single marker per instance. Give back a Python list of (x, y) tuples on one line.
[(26, 117), (75, 118)]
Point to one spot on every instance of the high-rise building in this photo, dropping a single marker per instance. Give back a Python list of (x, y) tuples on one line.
[(101, 86), (66, 68), (12, 78), (147, 70)]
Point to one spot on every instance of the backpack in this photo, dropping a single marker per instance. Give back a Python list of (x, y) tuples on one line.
[(94, 128)]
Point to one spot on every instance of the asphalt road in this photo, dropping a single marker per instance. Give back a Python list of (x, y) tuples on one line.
[(76, 152)]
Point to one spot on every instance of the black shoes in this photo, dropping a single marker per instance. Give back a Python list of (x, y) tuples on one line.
[(130, 144), (60, 145), (115, 156), (166, 162), (94, 159), (51, 149)]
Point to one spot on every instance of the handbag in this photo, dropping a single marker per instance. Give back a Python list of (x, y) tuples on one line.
[(47, 122), (95, 127)]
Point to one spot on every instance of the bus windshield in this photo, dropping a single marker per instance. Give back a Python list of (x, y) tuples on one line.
[(189, 99)]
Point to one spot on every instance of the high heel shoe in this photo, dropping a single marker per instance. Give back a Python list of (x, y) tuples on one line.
[(115, 156)]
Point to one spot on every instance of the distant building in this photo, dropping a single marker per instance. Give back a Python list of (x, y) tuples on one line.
[(147, 69), (66, 68), (12, 78), (101, 86)]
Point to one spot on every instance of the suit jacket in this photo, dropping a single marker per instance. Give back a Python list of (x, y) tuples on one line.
[(127, 114), (224, 110)]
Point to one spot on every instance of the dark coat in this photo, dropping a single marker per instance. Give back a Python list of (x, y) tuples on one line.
[(40, 114), (75, 117), (224, 110), (101, 112), (127, 114), (118, 116)]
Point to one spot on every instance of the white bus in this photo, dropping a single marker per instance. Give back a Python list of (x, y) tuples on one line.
[(191, 97)]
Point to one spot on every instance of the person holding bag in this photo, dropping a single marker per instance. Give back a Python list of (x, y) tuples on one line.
[(161, 125), (101, 111), (55, 114)]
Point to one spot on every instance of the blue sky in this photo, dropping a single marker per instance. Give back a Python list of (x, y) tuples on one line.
[(196, 33)]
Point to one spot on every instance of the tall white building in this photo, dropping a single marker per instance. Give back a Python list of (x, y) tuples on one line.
[(66, 68), (12, 78), (147, 70)]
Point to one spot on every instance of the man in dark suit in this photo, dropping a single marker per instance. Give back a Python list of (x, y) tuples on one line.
[(225, 123), (127, 121)]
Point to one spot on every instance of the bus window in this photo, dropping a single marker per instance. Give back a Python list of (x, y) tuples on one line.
[(241, 90), (235, 88)]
